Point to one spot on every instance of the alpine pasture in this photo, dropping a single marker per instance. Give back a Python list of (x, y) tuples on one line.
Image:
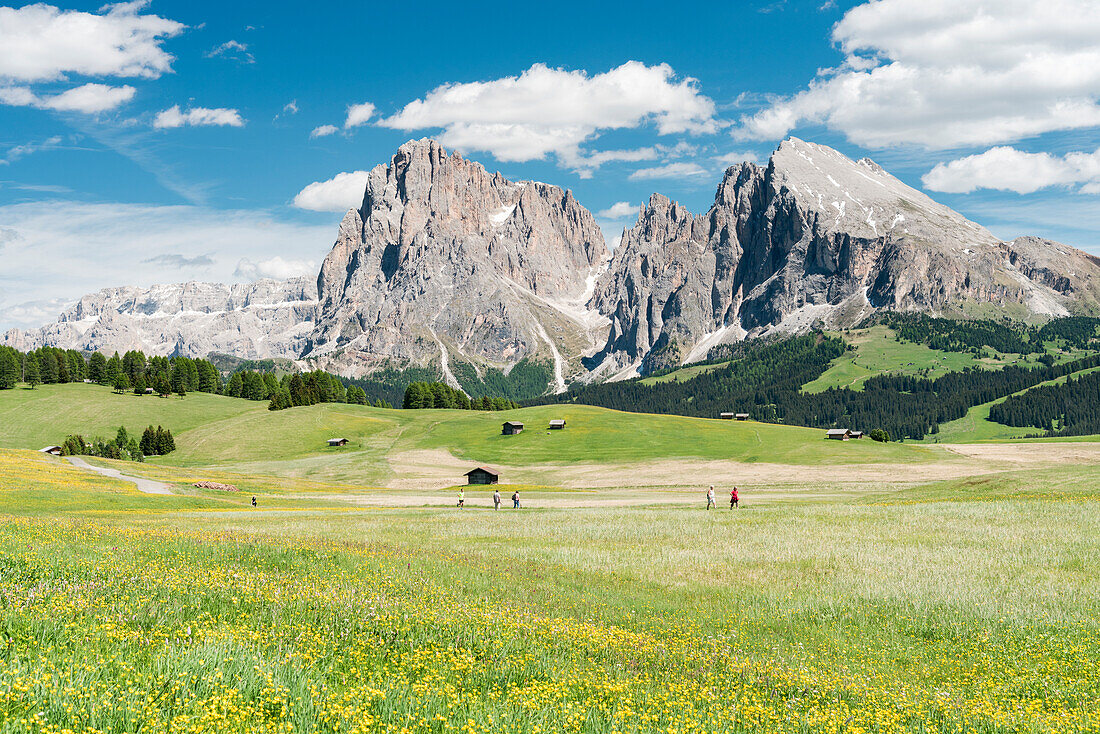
[(861, 587)]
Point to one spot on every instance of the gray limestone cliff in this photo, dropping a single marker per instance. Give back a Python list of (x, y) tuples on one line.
[(815, 239), (446, 262), (268, 318)]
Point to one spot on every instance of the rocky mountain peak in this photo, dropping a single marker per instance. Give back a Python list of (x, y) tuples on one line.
[(445, 258), (448, 266), (863, 200)]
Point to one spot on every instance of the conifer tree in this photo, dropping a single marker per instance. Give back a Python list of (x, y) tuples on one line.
[(9, 368), (31, 375), (97, 368), (148, 443), (114, 367), (47, 366)]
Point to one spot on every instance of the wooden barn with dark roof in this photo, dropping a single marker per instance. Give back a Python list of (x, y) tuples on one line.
[(482, 475)]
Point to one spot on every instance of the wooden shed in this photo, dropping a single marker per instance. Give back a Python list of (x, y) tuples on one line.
[(52, 450), (726, 416), (337, 442), (855, 434), (511, 428), (557, 424), (838, 434), (482, 475), (741, 416)]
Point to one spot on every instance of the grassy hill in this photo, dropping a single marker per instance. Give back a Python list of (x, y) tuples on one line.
[(878, 351), (212, 430), (976, 426)]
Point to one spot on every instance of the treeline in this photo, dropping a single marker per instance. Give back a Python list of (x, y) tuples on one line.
[(154, 442), (41, 366), (1071, 408), (526, 380), (1006, 337), (441, 395), (135, 372), (763, 382), (307, 388), (767, 381)]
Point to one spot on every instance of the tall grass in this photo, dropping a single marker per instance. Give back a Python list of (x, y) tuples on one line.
[(942, 609)]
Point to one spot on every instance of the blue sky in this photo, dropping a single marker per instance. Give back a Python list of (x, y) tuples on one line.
[(167, 141)]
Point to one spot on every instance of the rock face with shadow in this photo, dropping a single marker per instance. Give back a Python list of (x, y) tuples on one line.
[(445, 264), (815, 239), (445, 261)]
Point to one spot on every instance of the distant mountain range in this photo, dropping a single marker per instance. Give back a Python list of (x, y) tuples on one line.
[(449, 267)]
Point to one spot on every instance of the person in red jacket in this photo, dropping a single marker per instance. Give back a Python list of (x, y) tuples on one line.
[(733, 498)]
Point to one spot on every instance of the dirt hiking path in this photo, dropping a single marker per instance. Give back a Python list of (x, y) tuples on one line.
[(148, 486)]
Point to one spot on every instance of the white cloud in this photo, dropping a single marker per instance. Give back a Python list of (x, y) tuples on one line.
[(44, 43), (553, 111), (732, 159), (946, 73), (1008, 169), (197, 116), (105, 245), (584, 164), (619, 210), (291, 107), (31, 314), (358, 114), (323, 130), (669, 170), (275, 267), (20, 151), (232, 50), (89, 98), (338, 194)]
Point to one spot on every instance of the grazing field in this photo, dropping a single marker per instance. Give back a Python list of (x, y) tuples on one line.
[(877, 351), (243, 437), (976, 426), (964, 606)]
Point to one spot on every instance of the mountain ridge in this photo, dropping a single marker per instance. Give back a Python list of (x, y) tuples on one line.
[(446, 263)]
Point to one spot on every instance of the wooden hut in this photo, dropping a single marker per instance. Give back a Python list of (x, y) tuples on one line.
[(855, 434), (481, 475), (557, 424), (51, 450), (838, 434), (511, 428), (741, 416), (726, 416), (337, 442)]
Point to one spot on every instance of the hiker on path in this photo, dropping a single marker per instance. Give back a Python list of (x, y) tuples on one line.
[(710, 497), (253, 500), (496, 499), (733, 498), (515, 500), (461, 498)]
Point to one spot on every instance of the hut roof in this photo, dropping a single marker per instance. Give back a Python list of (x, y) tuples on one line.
[(485, 469), (837, 432), (513, 423)]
